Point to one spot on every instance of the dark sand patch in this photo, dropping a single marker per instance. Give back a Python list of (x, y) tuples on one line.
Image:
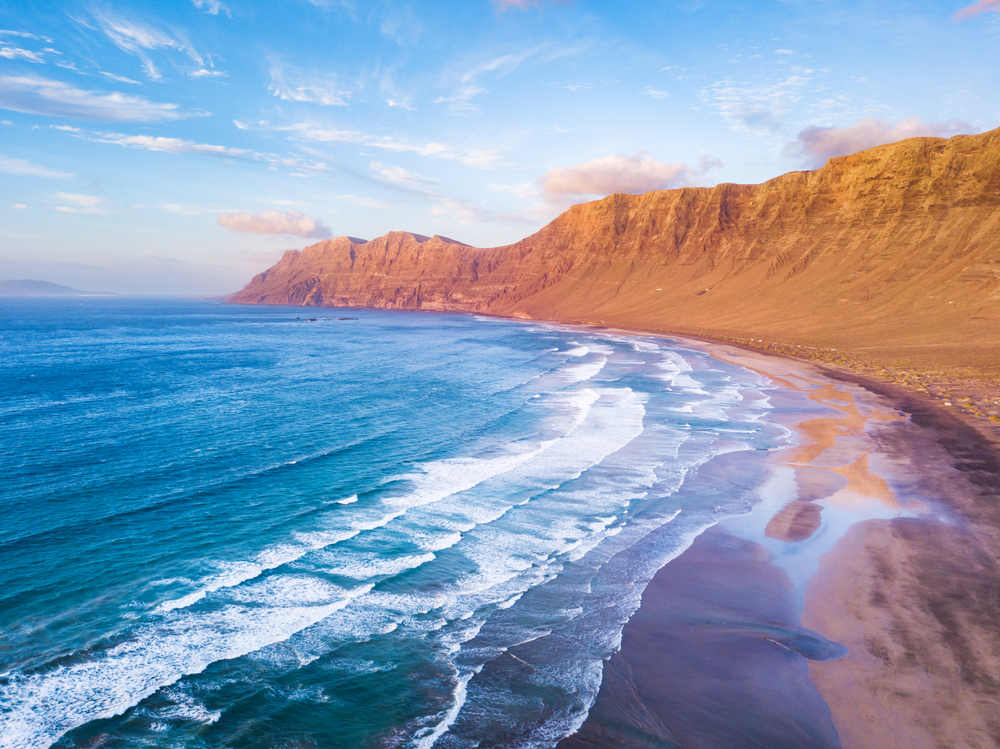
[(797, 521), (713, 659)]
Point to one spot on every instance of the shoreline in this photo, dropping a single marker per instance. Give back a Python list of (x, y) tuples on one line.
[(923, 661), (878, 528), (964, 398)]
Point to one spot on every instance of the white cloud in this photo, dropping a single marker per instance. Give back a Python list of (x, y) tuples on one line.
[(273, 222), (611, 174), (655, 93), (291, 84), (135, 38), (211, 7), (78, 199), (186, 210), (474, 157), (36, 95), (6, 122), (179, 146), (26, 168), (205, 73), (80, 203), (815, 145), (119, 78), (460, 212), (784, 51), (24, 35), (20, 206), (756, 108), (461, 102), (397, 175), (501, 65), (171, 145), (15, 53)]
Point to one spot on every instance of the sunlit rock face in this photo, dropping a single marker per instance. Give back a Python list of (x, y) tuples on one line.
[(896, 247)]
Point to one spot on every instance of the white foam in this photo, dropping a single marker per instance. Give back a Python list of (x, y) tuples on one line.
[(583, 372), (365, 566), (40, 707)]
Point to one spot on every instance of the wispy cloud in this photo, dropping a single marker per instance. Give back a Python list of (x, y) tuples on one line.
[(24, 35), (977, 8), (815, 145), (474, 157), (293, 84), (211, 7), (171, 145), (461, 101), (26, 168), (79, 203), (119, 78), (402, 26), (460, 212), (397, 175), (180, 147), (36, 95), (186, 210), (656, 93), (137, 38), (16, 53), (272, 222), (756, 108)]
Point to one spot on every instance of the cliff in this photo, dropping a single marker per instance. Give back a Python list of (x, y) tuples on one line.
[(892, 254)]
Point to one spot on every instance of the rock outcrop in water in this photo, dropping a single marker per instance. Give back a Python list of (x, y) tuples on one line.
[(895, 250)]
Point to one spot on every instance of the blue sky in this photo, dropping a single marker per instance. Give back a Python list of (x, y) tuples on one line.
[(180, 147)]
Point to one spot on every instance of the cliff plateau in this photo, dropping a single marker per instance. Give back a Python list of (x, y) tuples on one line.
[(891, 256)]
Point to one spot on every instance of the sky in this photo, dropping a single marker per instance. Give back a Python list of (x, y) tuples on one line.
[(180, 147)]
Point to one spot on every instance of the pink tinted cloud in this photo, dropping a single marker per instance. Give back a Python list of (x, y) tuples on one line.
[(273, 222), (522, 4), (817, 144), (611, 174), (982, 6)]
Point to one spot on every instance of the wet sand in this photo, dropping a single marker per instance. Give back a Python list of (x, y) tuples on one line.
[(857, 604)]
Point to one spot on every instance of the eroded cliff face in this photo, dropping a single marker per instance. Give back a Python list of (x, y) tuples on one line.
[(895, 248)]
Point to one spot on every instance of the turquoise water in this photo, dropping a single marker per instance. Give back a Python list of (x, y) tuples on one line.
[(226, 526)]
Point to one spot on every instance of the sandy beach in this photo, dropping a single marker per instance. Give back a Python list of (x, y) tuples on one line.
[(855, 606)]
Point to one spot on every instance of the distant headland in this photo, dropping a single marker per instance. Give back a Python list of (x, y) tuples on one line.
[(28, 287)]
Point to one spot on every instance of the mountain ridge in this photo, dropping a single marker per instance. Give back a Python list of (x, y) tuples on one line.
[(891, 254)]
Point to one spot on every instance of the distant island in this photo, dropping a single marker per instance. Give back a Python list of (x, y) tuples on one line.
[(28, 287)]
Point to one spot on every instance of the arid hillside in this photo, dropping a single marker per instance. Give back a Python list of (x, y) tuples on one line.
[(890, 256)]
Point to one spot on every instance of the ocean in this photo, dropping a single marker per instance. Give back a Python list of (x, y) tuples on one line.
[(299, 527)]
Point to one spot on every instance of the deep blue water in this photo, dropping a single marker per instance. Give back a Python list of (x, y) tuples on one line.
[(225, 526)]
